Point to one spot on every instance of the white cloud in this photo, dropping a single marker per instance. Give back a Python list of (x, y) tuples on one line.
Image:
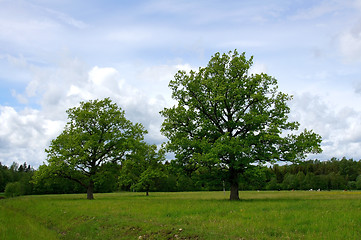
[(258, 68), (60, 88), (22, 23), (349, 38), (350, 44), (21, 98), (320, 9), (24, 135), (66, 18), (54, 55), (340, 128), (57, 89), (106, 77), (163, 73)]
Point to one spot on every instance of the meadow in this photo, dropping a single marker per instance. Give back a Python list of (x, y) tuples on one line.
[(184, 215)]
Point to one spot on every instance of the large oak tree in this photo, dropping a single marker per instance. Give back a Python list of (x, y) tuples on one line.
[(97, 132), (227, 117)]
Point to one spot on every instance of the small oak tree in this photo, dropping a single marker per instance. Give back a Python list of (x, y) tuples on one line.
[(97, 133), (230, 118), (143, 169)]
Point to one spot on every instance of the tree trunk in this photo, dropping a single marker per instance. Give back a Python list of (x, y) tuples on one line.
[(233, 178), (147, 193), (90, 190), (234, 192)]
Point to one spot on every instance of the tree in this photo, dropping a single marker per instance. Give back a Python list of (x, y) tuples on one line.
[(290, 182), (3, 177), (358, 182), (143, 169), (107, 181), (150, 179), (97, 133), (254, 178), (227, 117), (272, 184)]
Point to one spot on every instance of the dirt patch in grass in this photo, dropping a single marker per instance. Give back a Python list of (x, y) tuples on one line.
[(169, 234), (132, 230)]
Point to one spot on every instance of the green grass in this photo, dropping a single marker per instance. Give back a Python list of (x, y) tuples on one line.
[(195, 215)]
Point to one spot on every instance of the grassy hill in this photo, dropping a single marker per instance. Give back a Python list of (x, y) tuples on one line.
[(191, 215)]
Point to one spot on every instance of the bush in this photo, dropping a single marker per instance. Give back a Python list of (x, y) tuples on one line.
[(273, 185), (14, 189), (351, 185)]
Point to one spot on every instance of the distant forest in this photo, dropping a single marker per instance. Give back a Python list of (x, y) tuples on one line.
[(335, 174)]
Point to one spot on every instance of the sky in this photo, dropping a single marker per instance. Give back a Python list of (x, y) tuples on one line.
[(55, 54)]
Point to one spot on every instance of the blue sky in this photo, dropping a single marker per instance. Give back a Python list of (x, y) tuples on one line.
[(54, 54)]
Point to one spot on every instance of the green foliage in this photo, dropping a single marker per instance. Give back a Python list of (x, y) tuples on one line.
[(254, 178), (16, 173), (272, 184), (314, 174), (290, 182), (358, 182), (97, 132), (4, 178), (185, 183), (227, 117), (47, 181), (325, 175), (107, 179), (143, 169), (150, 179), (14, 189), (20, 175)]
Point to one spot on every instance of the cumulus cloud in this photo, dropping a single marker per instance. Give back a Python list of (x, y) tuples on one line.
[(129, 52), (349, 39), (339, 127), (26, 133)]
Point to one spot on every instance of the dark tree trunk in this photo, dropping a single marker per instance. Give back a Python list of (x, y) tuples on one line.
[(233, 178), (234, 192), (147, 193), (90, 190)]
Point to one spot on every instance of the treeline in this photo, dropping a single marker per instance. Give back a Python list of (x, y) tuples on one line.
[(335, 174), (344, 174), (16, 180)]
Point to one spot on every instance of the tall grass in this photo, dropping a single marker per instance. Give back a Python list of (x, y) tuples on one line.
[(195, 215), (16, 225)]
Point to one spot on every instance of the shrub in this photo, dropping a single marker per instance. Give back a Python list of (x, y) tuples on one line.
[(351, 185), (14, 189)]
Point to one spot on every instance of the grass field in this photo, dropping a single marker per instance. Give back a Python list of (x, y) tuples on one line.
[(192, 215)]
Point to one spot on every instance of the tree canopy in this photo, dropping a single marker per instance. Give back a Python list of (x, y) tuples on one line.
[(97, 133), (143, 169), (229, 118)]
